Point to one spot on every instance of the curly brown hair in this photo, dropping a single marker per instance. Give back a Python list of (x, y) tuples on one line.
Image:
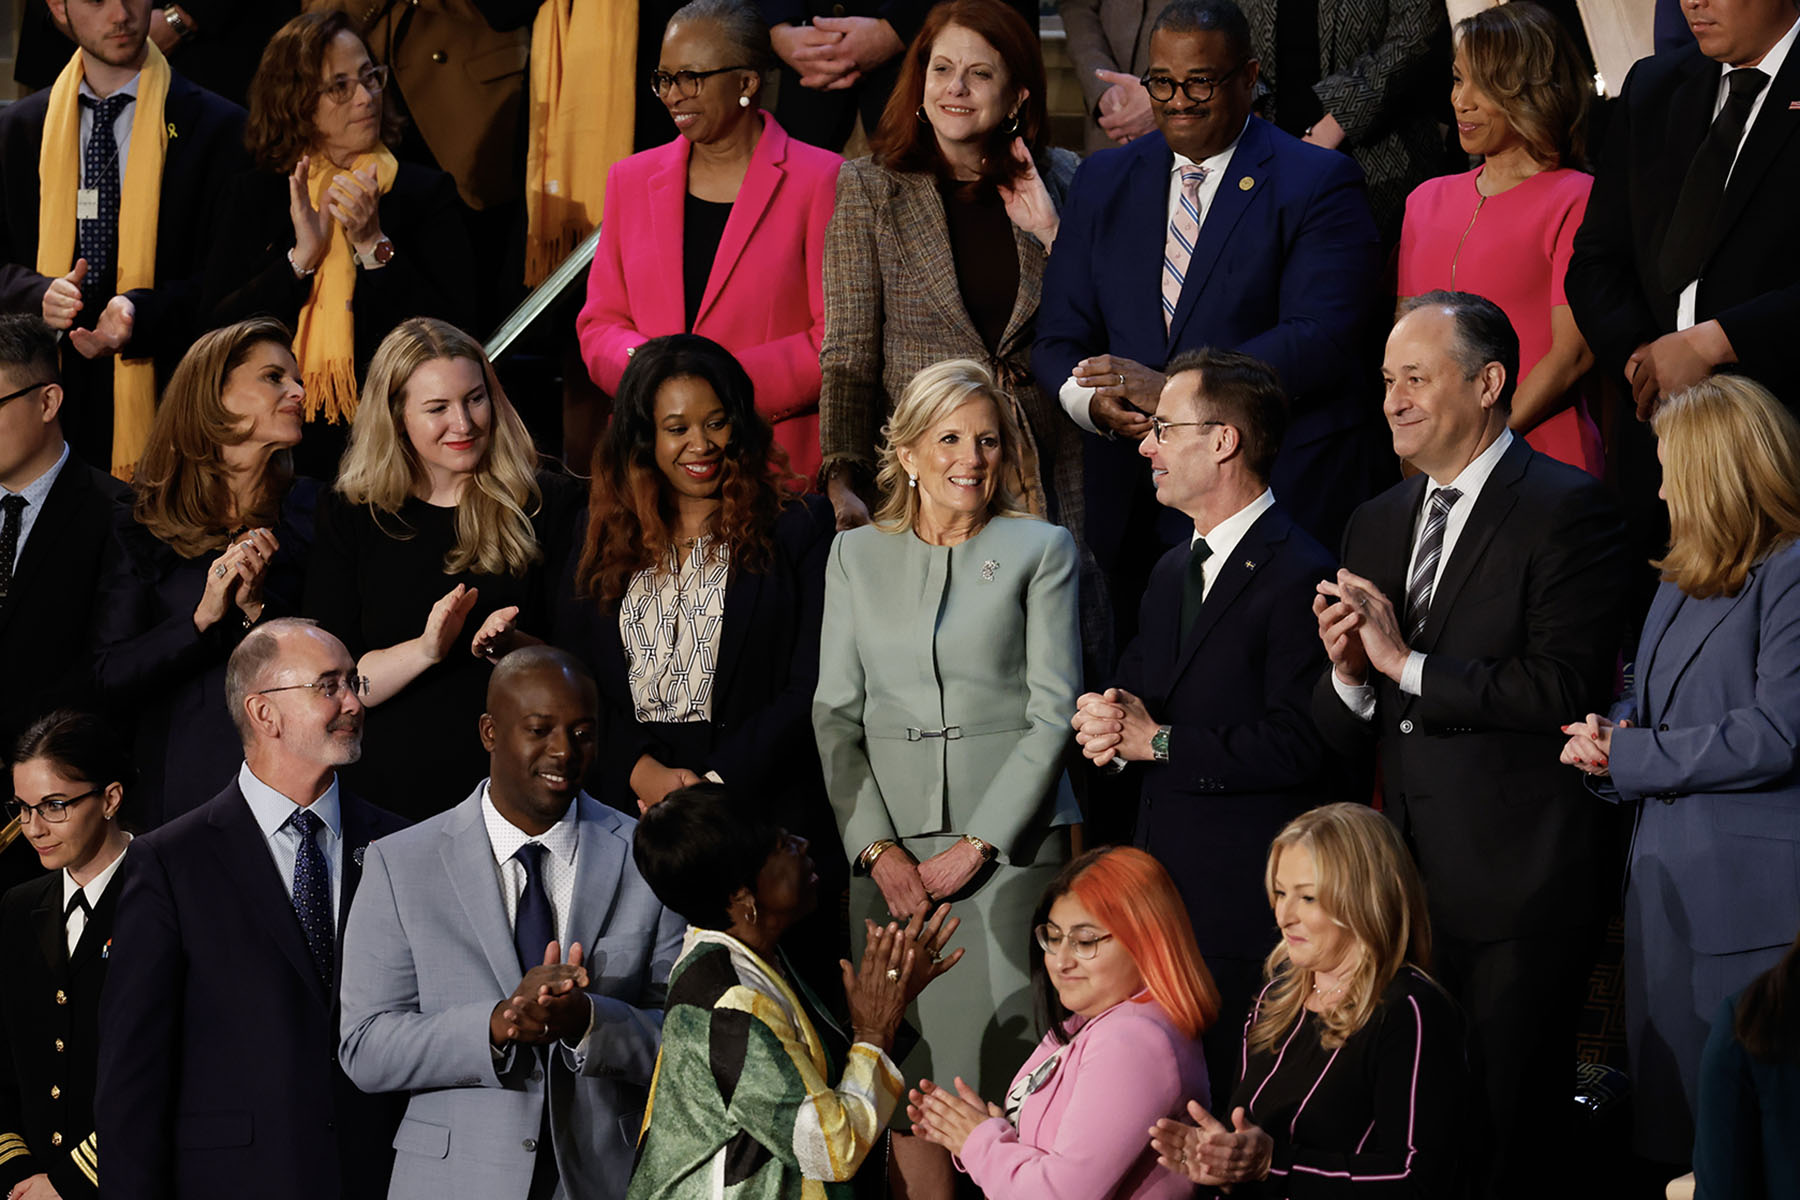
[(284, 94)]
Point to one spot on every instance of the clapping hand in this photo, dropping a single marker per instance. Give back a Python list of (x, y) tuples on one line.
[(236, 575), (312, 226), (1124, 107), (549, 1003), (354, 199), (110, 332), (1339, 621), (496, 634), (945, 1117), (1210, 1154), (445, 622), (1377, 626)]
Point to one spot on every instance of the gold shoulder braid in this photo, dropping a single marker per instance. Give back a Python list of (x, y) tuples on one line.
[(10, 834)]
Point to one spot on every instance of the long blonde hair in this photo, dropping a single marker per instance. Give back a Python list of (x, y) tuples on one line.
[(931, 397), (382, 470), (1367, 884), (1731, 472)]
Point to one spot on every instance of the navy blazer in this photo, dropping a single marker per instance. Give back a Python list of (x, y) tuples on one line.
[(1244, 755), (218, 1067), (1285, 268)]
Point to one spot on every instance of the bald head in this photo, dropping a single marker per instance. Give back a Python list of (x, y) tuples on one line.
[(511, 671)]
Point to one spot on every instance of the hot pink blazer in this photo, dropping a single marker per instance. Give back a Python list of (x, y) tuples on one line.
[(765, 298)]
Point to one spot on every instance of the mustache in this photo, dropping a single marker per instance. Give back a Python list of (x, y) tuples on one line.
[(349, 722)]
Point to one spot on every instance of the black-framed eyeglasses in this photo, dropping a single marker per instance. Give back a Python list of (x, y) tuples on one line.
[(26, 390), (1085, 945), (1162, 427), (329, 687), (1197, 88), (343, 90), (685, 83), (53, 811)]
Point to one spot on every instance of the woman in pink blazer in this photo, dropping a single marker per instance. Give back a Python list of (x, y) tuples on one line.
[(1125, 995), (722, 231)]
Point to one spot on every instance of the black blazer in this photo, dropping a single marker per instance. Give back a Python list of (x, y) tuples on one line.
[(1522, 636), (1244, 756), (248, 274), (1751, 283), (46, 619), (218, 1065), (52, 1003)]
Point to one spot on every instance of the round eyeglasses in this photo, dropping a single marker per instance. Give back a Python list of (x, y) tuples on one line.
[(1197, 88), (1051, 940)]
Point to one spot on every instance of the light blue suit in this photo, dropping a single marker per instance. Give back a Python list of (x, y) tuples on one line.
[(427, 954)]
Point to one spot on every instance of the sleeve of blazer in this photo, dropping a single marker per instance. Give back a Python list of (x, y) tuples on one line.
[(141, 1016), (1746, 748), (1570, 628), (605, 327), (627, 1036), (1602, 284), (1375, 89), (1343, 731), (429, 274), (1088, 47), (137, 646), (850, 389), (21, 142), (387, 1044), (856, 799), (1069, 322), (16, 1161), (1729, 1121), (785, 371), (247, 271), (1017, 794)]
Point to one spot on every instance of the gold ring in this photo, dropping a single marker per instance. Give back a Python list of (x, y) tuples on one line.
[(893, 974)]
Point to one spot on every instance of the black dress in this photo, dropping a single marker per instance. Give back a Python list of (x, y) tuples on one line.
[(1382, 1115), (157, 672), (372, 581)]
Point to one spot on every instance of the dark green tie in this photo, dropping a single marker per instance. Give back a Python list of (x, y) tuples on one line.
[(1193, 587)]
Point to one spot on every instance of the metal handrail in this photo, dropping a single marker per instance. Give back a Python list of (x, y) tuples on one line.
[(542, 297)]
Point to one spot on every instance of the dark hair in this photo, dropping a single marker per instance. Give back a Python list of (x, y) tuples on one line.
[(81, 744), (630, 515), (1483, 335), (1766, 1022), (1523, 59), (697, 849), (903, 142), (741, 24), (285, 91), (1207, 16), (1246, 394), (28, 346)]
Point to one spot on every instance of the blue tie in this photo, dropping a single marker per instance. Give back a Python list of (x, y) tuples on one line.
[(535, 925), (312, 893), (97, 240)]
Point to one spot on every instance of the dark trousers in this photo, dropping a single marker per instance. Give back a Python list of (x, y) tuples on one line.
[(828, 119), (1238, 980)]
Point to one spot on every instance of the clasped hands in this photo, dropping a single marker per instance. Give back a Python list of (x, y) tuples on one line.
[(1125, 396), (1209, 1153), (1113, 724), (909, 887), (63, 302), (1360, 629), (1589, 748), (833, 53), (1674, 363), (550, 1003)]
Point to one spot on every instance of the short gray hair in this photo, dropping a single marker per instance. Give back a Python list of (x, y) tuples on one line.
[(742, 26), (249, 666)]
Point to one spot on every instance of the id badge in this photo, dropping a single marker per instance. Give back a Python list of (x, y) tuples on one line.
[(87, 204)]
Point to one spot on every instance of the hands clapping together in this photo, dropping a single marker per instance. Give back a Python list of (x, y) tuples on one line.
[(1209, 1153), (549, 1004), (898, 963)]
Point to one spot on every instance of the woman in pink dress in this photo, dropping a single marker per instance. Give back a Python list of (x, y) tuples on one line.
[(1506, 229)]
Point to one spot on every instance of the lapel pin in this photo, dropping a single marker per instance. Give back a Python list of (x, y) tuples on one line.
[(1793, 104), (1246, 183), (987, 570), (356, 855), (171, 129), (1248, 565), (106, 950)]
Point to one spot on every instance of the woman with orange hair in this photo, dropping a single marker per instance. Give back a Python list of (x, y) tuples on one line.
[(1124, 995)]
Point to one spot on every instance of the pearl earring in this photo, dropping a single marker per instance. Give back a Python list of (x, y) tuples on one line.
[(912, 481), (743, 102)]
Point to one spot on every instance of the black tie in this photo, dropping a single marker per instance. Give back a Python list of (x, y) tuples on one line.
[(535, 926), (13, 520), (78, 900), (97, 240), (1193, 588), (312, 893), (1692, 232)]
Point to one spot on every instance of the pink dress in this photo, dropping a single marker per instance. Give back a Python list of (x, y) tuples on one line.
[(1513, 249)]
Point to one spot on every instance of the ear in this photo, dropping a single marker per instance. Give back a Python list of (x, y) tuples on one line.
[(52, 402), (1252, 72), (485, 726), (111, 799), (1230, 442), (907, 459), (265, 718), (752, 84), (1020, 99), (59, 13), (740, 898), (1493, 379)]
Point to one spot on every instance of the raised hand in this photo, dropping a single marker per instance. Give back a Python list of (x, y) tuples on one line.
[(1028, 200), (110, 332), (1124, 107), (445, 622), (929, 937), (878, 992), (312, 226), (62, 299)]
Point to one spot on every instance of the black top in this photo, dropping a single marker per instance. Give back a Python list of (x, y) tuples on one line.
[(1297, 106), (372, 581), (702, 227), (987, 259), (1380, 1115)]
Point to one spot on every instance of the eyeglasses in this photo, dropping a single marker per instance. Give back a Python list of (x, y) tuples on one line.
[(1162, 427), (1085, 946), (328, 687), (53, 811), (1197, 88), (343, 90), (685, 83), (25, 390)]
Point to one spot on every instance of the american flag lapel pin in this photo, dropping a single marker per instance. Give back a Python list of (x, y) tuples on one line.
[(1793, 105)]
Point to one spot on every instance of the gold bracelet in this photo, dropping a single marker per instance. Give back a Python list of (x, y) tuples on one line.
[(865, 862), (988, 853)]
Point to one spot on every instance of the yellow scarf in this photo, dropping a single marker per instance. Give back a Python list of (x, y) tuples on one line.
[(140, 202), (583, 88), (325, 338)]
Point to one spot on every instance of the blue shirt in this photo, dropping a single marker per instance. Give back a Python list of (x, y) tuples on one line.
[(273, 810), (35, 493)]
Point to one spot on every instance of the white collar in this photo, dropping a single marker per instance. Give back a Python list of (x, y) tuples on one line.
[(95, 887), (1228, 533), (1470, 479), (1214, 163), (505, 838), (1770, 64)]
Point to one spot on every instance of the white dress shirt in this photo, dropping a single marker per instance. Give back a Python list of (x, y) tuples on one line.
[(1770, 66), (35, 493), (94, 889), (273, 810), (1360, 698), (1224, 539)]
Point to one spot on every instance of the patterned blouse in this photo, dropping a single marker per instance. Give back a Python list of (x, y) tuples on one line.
[(670, 622)]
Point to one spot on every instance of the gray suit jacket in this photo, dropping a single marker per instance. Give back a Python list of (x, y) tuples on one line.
[(428, 953)]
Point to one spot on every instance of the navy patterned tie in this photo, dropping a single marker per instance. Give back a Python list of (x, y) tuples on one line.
[(14, 520), (312, 893), (1424, 572), (535, 925), (97, 240)]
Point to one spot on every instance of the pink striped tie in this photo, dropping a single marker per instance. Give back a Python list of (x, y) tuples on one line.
[(1183, 229)]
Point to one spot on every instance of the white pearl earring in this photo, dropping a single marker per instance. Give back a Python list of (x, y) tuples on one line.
[(743, 102), (912, 481)]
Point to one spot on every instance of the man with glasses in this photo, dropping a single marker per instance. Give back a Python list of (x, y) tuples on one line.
[(1215, 230), (1210, 706), (218, 1071)]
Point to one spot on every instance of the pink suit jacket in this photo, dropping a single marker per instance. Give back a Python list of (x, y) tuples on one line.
[(765, 298)]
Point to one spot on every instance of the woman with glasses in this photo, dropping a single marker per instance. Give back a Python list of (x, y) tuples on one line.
[(69, 777), (443, 536), (329, 232), (217, 541), (1122, 994), (721, 232)]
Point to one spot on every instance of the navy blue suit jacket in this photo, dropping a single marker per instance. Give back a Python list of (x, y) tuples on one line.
[(1244, 755), (1285, 268)]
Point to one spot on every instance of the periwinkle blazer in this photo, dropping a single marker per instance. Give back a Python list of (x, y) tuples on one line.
[(765, 298), (918, 640)]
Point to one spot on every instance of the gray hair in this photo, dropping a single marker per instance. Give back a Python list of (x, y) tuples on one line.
[(249, 666), (742, 26)]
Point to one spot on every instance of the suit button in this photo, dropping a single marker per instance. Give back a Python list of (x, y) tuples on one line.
[(438, 56), (837, 10), (55, 1092), (62, 997), (1662, 729), (56, 1139), (530, 1145), (1668, 799), (1406, 726), (59, 1045)]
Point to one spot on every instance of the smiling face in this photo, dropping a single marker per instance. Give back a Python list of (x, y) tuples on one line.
[(74, 842), (315, 729), (1200, 129), (1184, 469), (692, 431), (448, 417), (264, 393), (1438, 414), (1481, 125), (1736, 32), (967, 90), (1087, 986), (1315, 942), (713, 111), (345, 129), (540, 732), (957, 464)]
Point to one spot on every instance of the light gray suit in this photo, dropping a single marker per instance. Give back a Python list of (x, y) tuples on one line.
[(427, 954)]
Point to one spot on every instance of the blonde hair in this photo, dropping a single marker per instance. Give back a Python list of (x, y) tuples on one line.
[(932, 396), (382, 469), (1366, 884), (183, 490), (1731, 472), (1522, 59)]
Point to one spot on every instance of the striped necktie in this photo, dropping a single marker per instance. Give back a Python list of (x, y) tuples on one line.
[(1424, 573), (1178, 250)]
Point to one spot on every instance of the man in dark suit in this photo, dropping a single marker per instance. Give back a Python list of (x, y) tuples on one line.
[(1479, 600), (1216, 230), (202, 149), (218, 1029), (1213, 694)]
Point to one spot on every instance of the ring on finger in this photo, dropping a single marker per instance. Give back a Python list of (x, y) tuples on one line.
[(219, 571), (893, 974)]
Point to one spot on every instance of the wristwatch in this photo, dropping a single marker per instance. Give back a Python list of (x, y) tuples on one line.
[(380, 256), (1159, 744)]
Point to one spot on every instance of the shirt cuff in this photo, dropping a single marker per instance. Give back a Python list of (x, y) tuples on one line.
[(577, 1054), (1412, 675), (1075, 400), (1359, 698)]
